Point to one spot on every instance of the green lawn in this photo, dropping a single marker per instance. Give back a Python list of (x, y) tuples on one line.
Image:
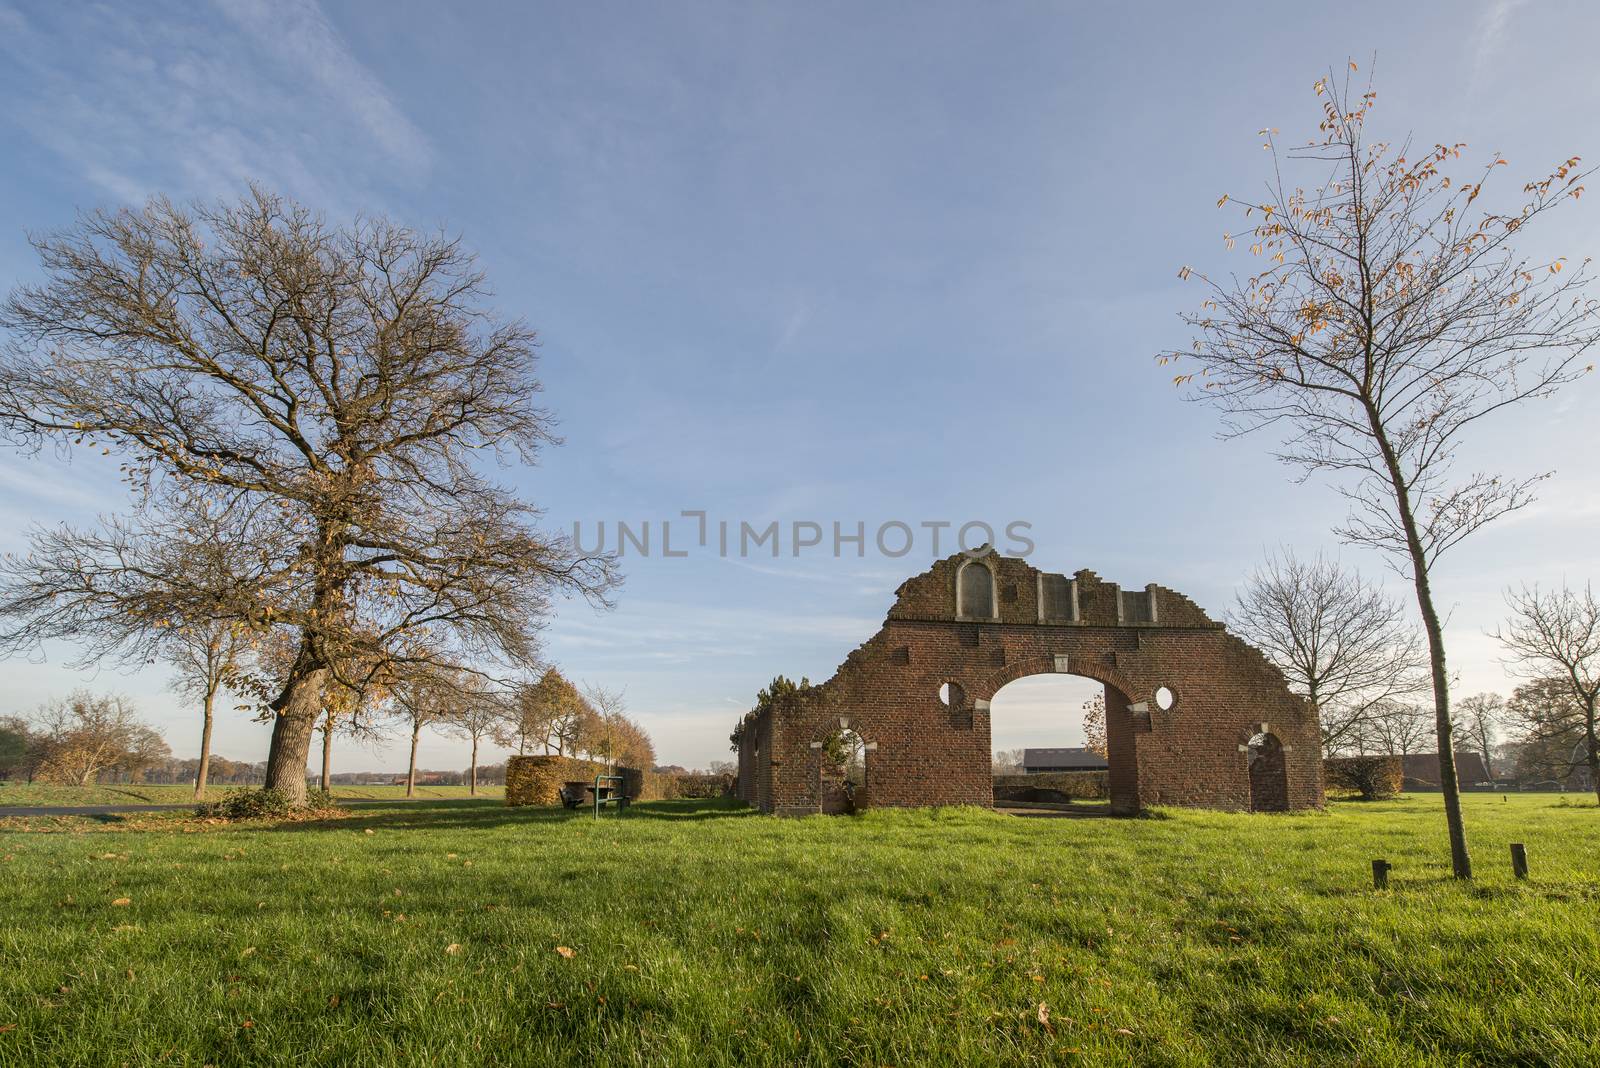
[(35, 794), (700, 933)]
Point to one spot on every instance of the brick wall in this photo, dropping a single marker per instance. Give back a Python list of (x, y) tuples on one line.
[(922, 751)]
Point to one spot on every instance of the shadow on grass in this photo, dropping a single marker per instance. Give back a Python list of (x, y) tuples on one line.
[(482, 814)]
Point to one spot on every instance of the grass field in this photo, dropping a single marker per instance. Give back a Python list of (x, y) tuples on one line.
[(693, 933), (38, 794)]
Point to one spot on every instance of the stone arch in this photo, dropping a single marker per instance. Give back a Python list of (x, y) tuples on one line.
[(1121, 716), (1054, 664)]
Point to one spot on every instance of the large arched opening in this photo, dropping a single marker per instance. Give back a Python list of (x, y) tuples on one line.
[(1051, 746)]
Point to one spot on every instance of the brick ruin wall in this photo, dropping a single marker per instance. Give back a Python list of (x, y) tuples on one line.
[(924, 751)]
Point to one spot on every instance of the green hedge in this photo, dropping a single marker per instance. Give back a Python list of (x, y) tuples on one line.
[(1053, 786), (1372, 777)]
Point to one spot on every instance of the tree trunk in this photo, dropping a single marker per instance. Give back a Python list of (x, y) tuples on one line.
[(205, 748), (327, 748), (411, 772), (1460, 859), (473, 788), (1594, 748), (298, 708)]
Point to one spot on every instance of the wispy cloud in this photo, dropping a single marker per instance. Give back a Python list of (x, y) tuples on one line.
[(1492, 27), (299, 34), (137, 101)]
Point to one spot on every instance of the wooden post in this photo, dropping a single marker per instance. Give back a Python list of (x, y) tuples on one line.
[(1380, 874), (1519, 860)]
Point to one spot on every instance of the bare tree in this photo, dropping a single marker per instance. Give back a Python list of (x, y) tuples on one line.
[(478, 713), (1008, 761), (1556, 635), (1386, 321), (86, 734), (421, 697), (208, 657), (615, 737), (1393, 727), (333, 393), (1338, 639), (1481, 717)]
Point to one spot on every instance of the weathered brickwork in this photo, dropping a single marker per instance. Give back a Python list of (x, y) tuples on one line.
[(924, 751)]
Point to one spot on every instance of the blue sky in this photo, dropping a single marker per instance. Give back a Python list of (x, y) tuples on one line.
[(828, 262)]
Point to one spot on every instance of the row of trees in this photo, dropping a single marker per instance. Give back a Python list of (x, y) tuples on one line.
[(77, 739), (1343, 644), (86, 736)]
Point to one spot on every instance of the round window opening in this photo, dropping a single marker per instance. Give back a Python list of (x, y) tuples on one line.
[(1165, 698), (951, 694)]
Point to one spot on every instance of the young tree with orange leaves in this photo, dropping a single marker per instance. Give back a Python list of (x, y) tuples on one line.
[(1390, 315)]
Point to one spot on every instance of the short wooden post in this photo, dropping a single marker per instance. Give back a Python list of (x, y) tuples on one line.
[(1519, 860), (1380, 874)]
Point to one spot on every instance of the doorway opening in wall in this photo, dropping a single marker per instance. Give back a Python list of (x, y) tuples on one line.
[(1048, 738), (842, 773), (1269, 778)]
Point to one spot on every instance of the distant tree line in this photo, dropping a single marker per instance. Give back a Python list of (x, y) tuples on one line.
[(1350, 650)]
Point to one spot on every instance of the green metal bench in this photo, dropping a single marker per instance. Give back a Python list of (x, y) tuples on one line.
[(578, 792)]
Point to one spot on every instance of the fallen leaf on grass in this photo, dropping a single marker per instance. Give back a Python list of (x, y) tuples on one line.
[(1123, 1031), (369, 830), (119, 902), (453, 948), (565, 952), (333, 1002), (1044, 1018), (7, 1027)]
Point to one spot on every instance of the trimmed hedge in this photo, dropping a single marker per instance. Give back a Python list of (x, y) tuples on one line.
[(1053, 786), (1372, 777), (537, 780)]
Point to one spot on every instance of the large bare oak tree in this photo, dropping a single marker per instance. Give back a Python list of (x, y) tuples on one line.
[(336, 393), (1389, 316)]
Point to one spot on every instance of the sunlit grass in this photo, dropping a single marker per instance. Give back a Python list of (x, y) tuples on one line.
[(703, 934), (34, 794)]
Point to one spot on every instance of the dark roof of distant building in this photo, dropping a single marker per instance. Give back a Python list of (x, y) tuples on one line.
[(1424, 767), (1064, 757)]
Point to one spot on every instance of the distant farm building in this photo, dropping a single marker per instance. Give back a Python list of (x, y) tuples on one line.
[(1037, 761)]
